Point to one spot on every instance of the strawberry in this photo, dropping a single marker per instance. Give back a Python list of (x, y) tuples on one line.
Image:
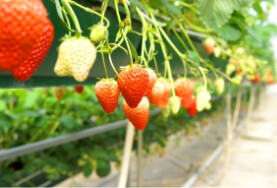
[(209, 45), (98, 33), (183, 87), (157, 93), (255, 78), (26, 69), (133, 83), (192, 110), (79, 89), (203, 100), (186, 101), (166, 94), (175, 104), (59, 92), (137, 116), (217, 52), (219, 85), (152, 79), (76, 57), (107, 93), (25, 33)]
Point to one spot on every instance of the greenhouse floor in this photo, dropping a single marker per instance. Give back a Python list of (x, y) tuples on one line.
[(250, 161)]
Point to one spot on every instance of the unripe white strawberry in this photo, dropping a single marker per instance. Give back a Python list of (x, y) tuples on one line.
[(166, 111), (217, 52), (76, 57), (202, 100), (175, 103), (219, 85), (230, 68)]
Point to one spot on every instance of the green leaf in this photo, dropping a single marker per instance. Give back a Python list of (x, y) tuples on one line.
[(87, 169), (193, 56), (136, 3), (103, 168), (165, 5), (31, 99), (3, 106), (133, 50), (230, 32), (215, 13), (68, 121)]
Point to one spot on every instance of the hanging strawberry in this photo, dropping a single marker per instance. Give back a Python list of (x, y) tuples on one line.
[(26, 35), (76, 57)]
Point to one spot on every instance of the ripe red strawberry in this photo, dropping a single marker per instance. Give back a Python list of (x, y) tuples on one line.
[(107, 93), (186, 101), (137, 116), (22, 24), (166, 94), (157, 92), (79, 89), (152, 79), (133, 84), (192, 110), (255, 78), (59, 92), (183, 87), (209, 45), (26, 69)]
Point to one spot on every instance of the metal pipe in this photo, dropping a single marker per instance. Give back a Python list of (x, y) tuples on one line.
[(126, 155), (139, 157), (48, 143)]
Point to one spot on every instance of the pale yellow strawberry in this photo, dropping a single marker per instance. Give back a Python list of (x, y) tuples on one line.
[(76, 57)]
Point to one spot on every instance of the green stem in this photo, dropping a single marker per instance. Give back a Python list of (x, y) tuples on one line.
[(67, 21), (114, 69), (180, 39), (204, 76), (144, 35), (122, 31), (90, 11), (73, 17), (103, 11), (104, 65)]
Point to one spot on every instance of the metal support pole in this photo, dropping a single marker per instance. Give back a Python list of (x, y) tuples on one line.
[(237, 111), (228, 115), (250, 105), (139, 162), (126, 155)]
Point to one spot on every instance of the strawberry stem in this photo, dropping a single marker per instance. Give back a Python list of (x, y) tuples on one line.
[(73, 17), (90, 11), (114, 69), (104, 65)]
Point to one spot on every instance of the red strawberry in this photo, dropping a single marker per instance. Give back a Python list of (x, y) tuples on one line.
[(59, 92), (137, 116), (157, 92), (166, 94), (209, 45), (22, 25), (183, 87), (152, 79), (107, 93), (255, 78), (79, 89), (192, 110), (26, 69), (186, 101), (133, 84)]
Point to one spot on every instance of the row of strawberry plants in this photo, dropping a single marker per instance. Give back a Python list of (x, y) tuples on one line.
[(36, 114), (229, 37)]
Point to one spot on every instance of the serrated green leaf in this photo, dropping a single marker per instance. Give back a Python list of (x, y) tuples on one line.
[(229, 32), (215, 13)]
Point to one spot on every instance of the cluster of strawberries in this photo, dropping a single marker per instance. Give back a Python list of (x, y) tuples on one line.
[(138, 86)]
